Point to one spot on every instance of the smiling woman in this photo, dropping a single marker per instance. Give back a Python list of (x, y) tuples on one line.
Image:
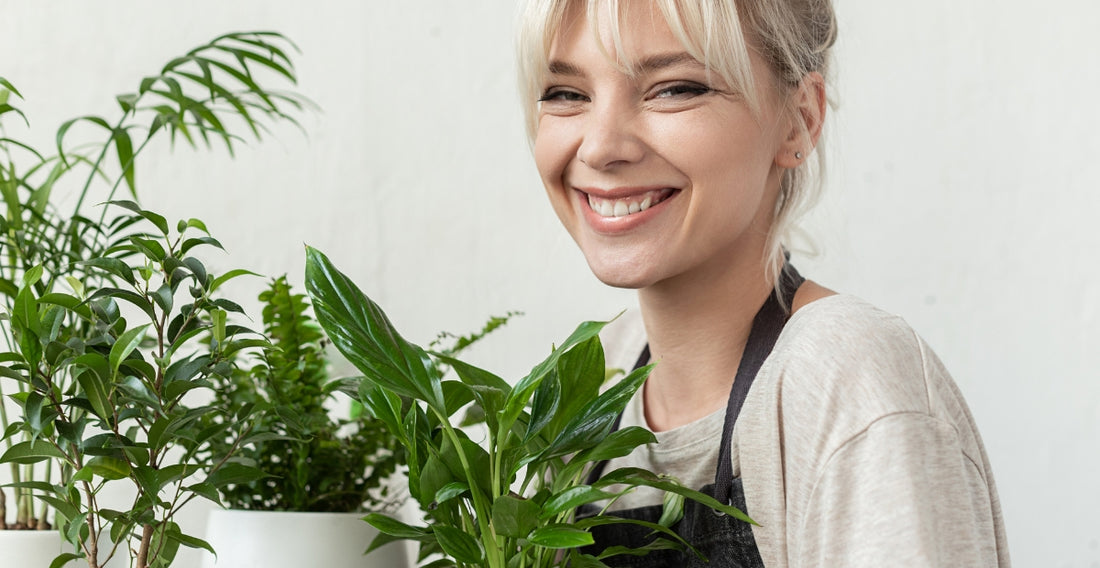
[(672, 137)]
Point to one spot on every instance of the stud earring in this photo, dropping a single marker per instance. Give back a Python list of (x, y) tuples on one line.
[(798, 155)]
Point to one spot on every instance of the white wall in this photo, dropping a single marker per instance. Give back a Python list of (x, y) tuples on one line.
[(962, 193)]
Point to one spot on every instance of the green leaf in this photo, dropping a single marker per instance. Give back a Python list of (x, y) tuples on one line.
[(394, 527), (571, 499), (235, 473), (124, 148), (450, 491), (363, 333), (521, 393), (461, 546), (152, 249), (594, 421), (92, 375), (31, 452), (108, 467), (64, 558), (560, 536), (514, 517), (124, 345), (636, 476), (111, 266), (156, 219), (616, 445)]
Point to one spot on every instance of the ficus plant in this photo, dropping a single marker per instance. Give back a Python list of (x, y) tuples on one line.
[(511, 500), (112, 323)]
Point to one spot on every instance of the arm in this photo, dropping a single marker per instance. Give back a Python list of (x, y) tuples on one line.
[(900, 493)]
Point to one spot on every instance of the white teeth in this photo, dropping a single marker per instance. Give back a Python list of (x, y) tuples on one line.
[(623, 207)]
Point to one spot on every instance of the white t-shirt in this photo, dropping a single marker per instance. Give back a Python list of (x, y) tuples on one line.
[(854, 445)]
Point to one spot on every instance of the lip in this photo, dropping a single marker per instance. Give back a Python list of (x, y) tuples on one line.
[(616, 225)]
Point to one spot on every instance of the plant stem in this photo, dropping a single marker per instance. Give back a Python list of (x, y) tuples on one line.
[(143, 550), (482, 510)]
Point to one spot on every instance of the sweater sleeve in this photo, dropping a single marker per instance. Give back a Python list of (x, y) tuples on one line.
[(900, 493)]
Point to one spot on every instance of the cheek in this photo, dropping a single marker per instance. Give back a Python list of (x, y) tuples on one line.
[(552, 151)]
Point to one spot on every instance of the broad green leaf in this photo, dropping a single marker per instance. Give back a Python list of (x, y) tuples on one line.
[(571, 499), (461, 546), (394, 527), (156, 219), (234, 473), (192, 542), (514, 517), (112, 266), (150, 248), (92, 375), (31, 452), (64, 558), (520, 395), (582, 372), (636, 476), (363, 333), (594, 421), (434, 476), (558, 536), (616, 445), (450, 491), (68, 302), (108, 467), (124, 345), (544, 405), (230, 275)]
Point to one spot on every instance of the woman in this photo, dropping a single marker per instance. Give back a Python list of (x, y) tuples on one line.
[(673, 138)]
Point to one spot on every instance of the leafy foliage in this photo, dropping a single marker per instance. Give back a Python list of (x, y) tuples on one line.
[(510, 502), (315, 462), (113, 323)]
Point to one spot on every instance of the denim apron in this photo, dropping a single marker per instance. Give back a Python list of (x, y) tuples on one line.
[(725, 541)]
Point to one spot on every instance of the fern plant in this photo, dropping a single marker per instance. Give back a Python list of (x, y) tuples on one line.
[(313, 460)]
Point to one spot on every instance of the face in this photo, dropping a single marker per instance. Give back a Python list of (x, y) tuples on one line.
[(662, 175)]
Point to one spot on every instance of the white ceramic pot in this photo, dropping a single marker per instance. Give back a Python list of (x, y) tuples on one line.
[(268, 539), (30, 549)]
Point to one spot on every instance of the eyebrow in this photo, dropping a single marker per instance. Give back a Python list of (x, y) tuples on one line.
[(648, 65)]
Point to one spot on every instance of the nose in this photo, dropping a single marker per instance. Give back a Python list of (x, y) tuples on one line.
[(611, 138)]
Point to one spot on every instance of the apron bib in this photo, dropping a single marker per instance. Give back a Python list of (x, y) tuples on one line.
[(725, 541)]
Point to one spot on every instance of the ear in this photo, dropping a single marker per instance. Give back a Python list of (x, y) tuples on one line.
[(807, 116)]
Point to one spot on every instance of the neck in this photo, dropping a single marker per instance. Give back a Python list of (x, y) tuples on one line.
[(697, 327)]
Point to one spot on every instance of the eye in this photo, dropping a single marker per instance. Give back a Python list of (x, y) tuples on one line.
[(681, 90), (559, 94)]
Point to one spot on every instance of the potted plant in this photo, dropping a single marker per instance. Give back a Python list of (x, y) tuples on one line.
[(322, 471), (512, 501), (113, 322)]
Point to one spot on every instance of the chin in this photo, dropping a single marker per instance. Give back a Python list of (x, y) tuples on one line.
[(631, 276)]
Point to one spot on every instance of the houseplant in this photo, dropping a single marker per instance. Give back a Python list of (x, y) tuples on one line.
[(512, 502), (113, 320), (322, 470)]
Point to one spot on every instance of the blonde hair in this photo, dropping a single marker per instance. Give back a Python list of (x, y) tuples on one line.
[(794, 37)]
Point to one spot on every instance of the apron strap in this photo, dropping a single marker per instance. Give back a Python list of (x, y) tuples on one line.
[(766, 327)]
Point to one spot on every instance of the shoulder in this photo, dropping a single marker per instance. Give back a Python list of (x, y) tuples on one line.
[(841, 350)]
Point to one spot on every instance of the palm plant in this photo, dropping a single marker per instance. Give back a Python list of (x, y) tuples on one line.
[(103, 399)]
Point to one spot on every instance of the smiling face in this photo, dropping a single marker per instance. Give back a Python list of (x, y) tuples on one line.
[(661, 174)]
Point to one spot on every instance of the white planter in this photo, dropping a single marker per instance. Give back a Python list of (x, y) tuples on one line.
[(30, 549), (266, 539)]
